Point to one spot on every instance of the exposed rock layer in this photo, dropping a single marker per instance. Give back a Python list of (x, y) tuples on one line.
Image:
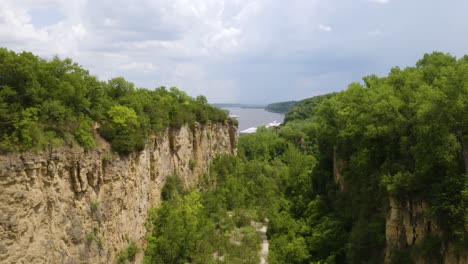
[(73, 206), (407, 225)]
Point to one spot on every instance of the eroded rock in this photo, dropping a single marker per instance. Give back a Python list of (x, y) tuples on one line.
[(71, 206)]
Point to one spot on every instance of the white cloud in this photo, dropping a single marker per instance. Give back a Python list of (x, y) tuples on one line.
[(234, 49), (145, 68), (16, 26), (249, 10), (375, 32), (325, 28), (226, 39), (110, 22), (64, 39), (379, 1), (17, 30), (195, 76)]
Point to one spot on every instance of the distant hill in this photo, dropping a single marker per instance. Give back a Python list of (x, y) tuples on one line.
[(281, 107), (224, 105), (304, 109)]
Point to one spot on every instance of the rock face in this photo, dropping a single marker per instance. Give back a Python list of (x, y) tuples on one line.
[(338, 167), (407, 224), (73, 206)]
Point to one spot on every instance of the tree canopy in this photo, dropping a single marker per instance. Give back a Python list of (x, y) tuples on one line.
[(325, 179), (281, 107), (47, 103)]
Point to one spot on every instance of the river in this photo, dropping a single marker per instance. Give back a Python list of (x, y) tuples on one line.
[(254, 117)]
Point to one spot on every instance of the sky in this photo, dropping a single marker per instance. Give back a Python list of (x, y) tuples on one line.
[(237, 51)]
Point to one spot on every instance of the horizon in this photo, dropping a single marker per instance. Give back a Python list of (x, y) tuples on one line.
[(251, 52)]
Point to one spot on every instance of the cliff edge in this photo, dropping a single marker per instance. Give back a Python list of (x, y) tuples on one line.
[(69, 205)]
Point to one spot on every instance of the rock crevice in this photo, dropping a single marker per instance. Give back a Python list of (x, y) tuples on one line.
[(407, 225), (68, 205)]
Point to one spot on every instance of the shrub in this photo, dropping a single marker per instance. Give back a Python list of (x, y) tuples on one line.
[(94, 206), (192, 164), (172, 188), (128, 254), (90, 237)]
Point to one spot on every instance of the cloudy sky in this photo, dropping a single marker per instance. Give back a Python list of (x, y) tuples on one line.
[(249, 51)]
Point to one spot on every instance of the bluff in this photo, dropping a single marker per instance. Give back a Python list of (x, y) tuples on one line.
[(408, 226), (68, 205)]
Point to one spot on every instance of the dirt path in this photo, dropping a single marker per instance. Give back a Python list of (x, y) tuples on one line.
[(262, 229)]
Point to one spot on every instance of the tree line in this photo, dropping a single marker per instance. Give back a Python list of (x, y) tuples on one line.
[(50, 103), (402, 136)]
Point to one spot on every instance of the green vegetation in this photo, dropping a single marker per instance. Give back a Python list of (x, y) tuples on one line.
[(402, 137), (298, 110), (51, 103), (192, 227), (94, 236), (90, 237), (94, 206), (128, 254), (305, 109), (281, 107), (192, 164)]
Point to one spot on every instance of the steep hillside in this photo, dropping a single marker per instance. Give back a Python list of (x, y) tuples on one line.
[(396, 147), (69, 205), (305, 109), (58, 103), (82, 161)]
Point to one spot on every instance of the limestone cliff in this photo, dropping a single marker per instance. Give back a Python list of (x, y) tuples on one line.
[(407, 224), (68, 205)]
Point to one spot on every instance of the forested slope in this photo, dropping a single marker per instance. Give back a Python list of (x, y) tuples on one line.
[(305, 109), (48, 103), (400, 138), (280, 107), (302, 109), (377, 172), (336, 177)]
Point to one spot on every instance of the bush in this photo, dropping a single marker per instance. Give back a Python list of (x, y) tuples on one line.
[(192, 164), (48, 103), (172, 188), (128, 254), (402, 257)]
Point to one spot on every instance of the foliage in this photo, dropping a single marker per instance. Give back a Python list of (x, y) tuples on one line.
[(90, 237), (305, 109), (51, 103), (94, 206), (192, 164), (402, 257), (94, 236), (402, 137), (185, 230), (127, 254), (172, 189), (281, 107)]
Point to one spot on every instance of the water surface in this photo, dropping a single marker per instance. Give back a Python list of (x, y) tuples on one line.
[(254, 117)]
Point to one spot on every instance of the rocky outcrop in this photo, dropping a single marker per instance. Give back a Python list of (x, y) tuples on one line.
[(338, 167), (407, 224), (68, 205)]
